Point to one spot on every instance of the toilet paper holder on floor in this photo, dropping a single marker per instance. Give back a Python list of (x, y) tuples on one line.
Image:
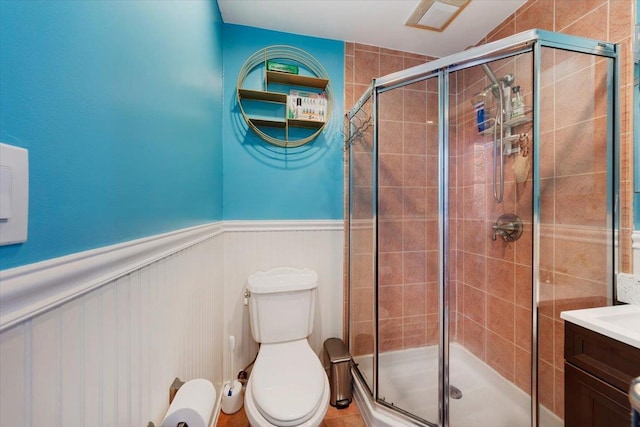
[(151, 424), (173, 389)]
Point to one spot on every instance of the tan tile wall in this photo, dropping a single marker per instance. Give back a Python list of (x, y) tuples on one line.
[(407, 206), (492, 278), (609, 20), (408, 217), (362, 245)]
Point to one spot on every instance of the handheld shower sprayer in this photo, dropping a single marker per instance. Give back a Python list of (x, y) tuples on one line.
[(500, 90)]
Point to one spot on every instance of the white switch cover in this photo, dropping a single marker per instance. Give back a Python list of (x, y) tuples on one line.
[(5, 193), (14, 194)]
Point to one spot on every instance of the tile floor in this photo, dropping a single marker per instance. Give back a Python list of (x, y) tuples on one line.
[(348, 417)]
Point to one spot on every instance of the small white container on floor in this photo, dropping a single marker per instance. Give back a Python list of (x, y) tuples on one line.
[(232, 398)]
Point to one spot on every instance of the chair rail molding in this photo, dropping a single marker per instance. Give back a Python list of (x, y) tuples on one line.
[(29, 290)]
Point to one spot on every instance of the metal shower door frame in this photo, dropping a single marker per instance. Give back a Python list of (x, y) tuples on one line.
[(368, 94), (528, 41)]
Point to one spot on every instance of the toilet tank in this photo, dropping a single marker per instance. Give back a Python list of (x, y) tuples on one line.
[(282, 304)]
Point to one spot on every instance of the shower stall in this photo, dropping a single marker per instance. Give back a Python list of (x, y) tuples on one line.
[(483, 200)]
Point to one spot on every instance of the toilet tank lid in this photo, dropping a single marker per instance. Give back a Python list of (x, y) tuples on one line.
[(282, 279)]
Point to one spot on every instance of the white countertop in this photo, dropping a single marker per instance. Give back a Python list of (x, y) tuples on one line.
[(620, 322)]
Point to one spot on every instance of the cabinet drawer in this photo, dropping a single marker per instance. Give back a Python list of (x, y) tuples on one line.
[(612, 361)]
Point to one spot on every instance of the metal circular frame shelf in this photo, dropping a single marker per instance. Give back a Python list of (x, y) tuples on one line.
[(292, 54)]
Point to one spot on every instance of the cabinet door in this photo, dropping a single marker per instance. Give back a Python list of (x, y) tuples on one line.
[(590, 402)]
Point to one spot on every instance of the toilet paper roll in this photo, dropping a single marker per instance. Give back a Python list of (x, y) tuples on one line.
[(193, 405)]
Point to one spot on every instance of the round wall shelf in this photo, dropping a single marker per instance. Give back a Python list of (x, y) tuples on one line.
[(281, 87)]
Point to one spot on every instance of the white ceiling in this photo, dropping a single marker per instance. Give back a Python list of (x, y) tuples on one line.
[(373, 22)]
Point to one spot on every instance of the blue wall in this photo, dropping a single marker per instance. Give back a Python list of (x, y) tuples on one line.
[(265, 182), (119, 105)]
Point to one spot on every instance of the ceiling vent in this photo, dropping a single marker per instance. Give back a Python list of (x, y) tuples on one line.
[(435, 15)]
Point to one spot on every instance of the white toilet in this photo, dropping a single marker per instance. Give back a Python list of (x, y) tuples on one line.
[(288, 385)]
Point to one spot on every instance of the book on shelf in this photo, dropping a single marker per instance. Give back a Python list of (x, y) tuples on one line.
[(307, 106), (282, 68)]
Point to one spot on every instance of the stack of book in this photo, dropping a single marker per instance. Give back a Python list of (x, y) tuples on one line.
[(307, 106)]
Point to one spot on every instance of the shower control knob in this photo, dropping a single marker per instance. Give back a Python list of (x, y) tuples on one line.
[(508, 226)]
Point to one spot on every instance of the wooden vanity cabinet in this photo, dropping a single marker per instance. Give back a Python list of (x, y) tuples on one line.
[(598, 372)]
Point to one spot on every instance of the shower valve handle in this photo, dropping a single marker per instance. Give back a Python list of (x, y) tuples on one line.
[(500, 230), (509, 227)]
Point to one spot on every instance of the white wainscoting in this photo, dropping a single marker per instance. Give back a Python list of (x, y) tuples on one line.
[(262, 245), (95, 339), (108, 356)]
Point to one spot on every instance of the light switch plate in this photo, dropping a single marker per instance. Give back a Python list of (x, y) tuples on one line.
[(14, 163), (5, 193)]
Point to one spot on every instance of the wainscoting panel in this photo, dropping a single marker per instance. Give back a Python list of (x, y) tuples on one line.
[(96, 338), (14, 390), (262, 245), (108, 356)]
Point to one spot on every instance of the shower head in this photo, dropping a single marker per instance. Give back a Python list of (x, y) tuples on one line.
[(508, 79)]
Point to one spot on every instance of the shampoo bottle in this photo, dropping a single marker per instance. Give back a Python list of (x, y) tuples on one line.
[(480, 113), (298, 108), (517, 103)]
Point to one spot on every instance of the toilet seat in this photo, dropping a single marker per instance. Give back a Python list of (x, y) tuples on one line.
[(288, 384)]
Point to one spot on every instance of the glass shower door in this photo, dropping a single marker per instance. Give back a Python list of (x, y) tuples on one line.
[(576, 214), (362, 242), (408, 249), (490, 274)]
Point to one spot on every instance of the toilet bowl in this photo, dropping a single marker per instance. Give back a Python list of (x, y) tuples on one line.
[(288, 386)]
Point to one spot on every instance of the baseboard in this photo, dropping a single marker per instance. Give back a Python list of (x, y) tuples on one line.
[(216, 410)]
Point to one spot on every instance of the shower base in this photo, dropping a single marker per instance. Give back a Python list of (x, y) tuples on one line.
[(408, 380)]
